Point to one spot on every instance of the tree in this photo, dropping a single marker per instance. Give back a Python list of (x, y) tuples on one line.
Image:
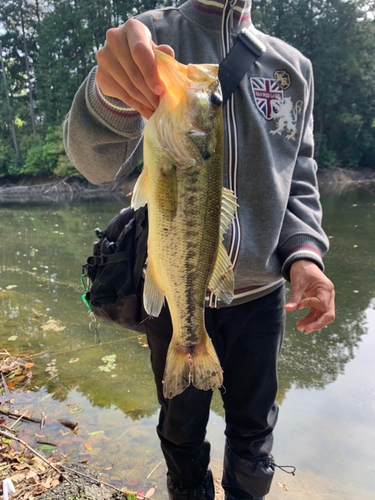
[(338, 36)]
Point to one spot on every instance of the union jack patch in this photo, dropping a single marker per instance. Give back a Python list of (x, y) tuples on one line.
[(265, 91), (283, 79)]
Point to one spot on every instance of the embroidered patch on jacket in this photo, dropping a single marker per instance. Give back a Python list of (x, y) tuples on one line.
[(283, 79), (266, 92), (286, 114)]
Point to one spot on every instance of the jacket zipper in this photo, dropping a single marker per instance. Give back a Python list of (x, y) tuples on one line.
[(232, 133), (229, 117)]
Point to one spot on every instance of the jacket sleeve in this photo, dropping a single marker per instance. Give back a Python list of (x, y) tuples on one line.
[(102, 136), (302, 236)]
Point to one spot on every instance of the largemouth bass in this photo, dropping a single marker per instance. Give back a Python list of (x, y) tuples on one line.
[(189, 211)]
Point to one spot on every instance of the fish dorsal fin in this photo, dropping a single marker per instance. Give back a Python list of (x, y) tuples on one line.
[(140, 191), (228, 209), (153, 299), (222, 282)]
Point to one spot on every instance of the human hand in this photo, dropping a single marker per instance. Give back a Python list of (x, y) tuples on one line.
[(127, 67), (308, 280)]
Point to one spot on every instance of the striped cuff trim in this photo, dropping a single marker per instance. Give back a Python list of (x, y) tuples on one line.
[(116, 110), (303, 251), (243, 292), (303, 248)]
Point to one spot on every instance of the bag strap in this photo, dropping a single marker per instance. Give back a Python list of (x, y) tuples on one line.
[(104, 259), (245, 51)]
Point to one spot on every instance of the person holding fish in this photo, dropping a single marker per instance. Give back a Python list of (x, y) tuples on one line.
[(233, 210)]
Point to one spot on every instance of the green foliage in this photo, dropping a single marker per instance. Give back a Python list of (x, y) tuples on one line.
[(339, 38), (62, 37), (47, 156)]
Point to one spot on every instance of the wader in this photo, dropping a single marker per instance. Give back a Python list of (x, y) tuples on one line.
[(247, 339)]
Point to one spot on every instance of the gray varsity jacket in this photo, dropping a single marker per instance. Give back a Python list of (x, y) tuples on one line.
[(268, 141)]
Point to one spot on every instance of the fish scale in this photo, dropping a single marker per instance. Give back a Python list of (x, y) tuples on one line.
[(182, 184)]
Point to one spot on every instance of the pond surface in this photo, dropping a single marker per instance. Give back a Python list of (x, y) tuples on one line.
[(327, 378)]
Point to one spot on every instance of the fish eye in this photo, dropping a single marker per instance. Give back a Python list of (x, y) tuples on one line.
[(206, 155), (216, 99)]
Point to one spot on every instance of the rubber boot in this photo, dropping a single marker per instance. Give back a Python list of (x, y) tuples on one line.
[(205, 491), (245, 479), (231, 498)]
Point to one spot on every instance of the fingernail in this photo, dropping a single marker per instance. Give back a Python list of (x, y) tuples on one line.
[(159, 90)]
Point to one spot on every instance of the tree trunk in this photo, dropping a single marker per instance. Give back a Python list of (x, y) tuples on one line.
[(32, 114), (12, 127)]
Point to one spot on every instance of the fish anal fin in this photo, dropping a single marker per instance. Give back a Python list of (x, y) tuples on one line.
[(140, 191), (153, 299), (198, 365), (222, 282)]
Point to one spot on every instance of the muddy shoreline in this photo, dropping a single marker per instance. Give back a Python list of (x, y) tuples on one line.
[(333, 180)]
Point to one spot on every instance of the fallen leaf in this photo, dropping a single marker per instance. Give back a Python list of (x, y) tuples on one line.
[(132, 483), (46, 447), (88, 447), (95, 433), (9, 287), (282, 485), (13, 338), (74, 360), (39, 435), (150, 492), (29, 365), (69, 424)]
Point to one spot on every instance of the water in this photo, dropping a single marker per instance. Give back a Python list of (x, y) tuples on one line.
[(327, 378)]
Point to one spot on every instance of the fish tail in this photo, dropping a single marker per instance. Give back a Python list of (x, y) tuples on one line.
[(198, 365)]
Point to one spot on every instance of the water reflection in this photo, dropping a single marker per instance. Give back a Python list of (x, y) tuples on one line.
[(42, 260), (42, 250)]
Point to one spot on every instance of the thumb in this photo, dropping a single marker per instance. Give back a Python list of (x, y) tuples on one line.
[(294, 299), (167, 49)]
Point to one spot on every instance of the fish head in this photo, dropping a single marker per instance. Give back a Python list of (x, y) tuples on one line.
[(189, 117)]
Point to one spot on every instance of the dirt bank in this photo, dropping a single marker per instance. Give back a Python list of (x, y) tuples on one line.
[(60, 190)]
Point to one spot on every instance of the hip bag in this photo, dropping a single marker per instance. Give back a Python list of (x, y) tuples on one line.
[(112, 276)]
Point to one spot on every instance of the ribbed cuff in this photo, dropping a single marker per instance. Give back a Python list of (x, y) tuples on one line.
[(299, 247), (113, 112)]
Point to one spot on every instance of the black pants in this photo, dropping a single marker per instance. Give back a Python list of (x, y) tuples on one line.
[(247, 339)]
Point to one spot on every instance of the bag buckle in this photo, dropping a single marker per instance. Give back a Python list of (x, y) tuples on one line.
[(252, 42)]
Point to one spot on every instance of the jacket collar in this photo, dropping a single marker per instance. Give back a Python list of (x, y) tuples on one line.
[(210, 13)]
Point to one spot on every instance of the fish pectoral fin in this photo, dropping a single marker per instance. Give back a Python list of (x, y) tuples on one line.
[(228, 209), (198, 365), (140, 191), (153, 299), (222, 282)]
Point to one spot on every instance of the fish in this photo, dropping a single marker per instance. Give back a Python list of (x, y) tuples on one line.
[(189, 211)]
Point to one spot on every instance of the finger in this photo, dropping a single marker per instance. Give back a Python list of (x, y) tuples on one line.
[(134, 81), (123, 80), (294, 299), (112, 89), (309, 318), (320, 302), (143, 72), (321, 322)]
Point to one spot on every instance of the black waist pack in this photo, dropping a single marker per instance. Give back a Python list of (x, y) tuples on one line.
[(113, 276)]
